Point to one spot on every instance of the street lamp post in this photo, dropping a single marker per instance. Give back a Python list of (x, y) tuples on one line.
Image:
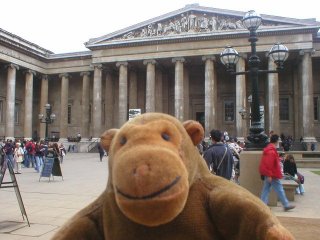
[(257, 139), (47, 119)]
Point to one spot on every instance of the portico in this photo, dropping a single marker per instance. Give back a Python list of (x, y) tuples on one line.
[(159, 66)]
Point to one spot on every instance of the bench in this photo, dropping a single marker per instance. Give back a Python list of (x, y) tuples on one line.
[(289, 187)]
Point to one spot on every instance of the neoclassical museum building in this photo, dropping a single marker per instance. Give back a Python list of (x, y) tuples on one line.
[(167, 64)]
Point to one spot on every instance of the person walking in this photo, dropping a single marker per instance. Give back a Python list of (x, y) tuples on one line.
[(218, 156), (270, 172), (38, 156), (31, 151), (101, 151)]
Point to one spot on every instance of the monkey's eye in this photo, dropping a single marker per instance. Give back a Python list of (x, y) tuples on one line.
[(165, 136), (123, 140)]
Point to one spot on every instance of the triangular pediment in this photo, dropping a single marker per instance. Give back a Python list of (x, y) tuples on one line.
[(190, 21)]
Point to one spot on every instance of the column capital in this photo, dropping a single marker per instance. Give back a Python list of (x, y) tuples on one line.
[(30, 72), (87, 73), (178, 59), (12, 65), (311, 51), (66, 75), (124, 63), (152, 61), (209, 57), (96, 65)]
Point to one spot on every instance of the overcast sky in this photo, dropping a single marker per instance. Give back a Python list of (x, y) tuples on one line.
[(64, 25)]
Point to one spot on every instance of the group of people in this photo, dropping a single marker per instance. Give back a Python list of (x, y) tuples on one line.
[(28, 153), (223, 159)]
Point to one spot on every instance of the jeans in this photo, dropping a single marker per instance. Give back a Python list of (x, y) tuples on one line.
[(278, 188), (38, 163), (26, 162), (31, 160), (10, 158), (300, 188)]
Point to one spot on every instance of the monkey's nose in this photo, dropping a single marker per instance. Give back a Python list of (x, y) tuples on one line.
[(141, 170)]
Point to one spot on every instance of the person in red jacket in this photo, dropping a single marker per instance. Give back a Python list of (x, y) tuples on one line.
[(271, 173)]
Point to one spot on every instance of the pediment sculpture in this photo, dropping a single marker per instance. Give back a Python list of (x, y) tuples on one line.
[(185, 23)]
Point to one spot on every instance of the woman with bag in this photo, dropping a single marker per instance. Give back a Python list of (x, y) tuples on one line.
[(18, 158), (290, 172)]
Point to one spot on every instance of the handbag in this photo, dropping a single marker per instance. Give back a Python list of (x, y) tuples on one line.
[(300, 178), (215, 172)]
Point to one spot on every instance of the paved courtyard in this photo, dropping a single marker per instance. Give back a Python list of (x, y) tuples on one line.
[(50, 204)]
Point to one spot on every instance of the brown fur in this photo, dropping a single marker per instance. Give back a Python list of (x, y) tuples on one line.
[(159, 187)]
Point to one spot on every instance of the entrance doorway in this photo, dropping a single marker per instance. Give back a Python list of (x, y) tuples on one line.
[(200, 118)]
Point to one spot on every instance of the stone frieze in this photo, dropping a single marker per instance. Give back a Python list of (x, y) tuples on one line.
[(190, 22)]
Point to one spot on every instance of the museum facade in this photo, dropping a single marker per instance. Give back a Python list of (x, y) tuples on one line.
[(166, 64)]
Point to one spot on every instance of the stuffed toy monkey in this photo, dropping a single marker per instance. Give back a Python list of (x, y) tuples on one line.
[(159, 187)]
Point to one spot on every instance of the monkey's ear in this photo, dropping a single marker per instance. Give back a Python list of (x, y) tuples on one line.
[(195, 131), (107, 137)]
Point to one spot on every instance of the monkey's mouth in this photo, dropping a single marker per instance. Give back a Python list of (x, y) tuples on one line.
[(152, 195)]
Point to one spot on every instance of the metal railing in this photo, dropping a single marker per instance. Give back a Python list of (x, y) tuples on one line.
[(93, 144)]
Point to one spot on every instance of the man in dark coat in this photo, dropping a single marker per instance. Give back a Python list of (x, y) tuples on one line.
[(9, 150), (101, 151), (218, 156)]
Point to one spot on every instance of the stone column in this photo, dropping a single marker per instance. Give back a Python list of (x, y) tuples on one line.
[(97, 101), (133, 88), (307, 97), (64, 106), (273, 99), (123, 92), (178, 89), (109, 99), (297, 105), (186, 96), (28, 104), (150, 85), (241, 100), (159, 91), (43, 101), (210, 98), (11, 100), (142, 85), (85, 115), (165, 92)]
